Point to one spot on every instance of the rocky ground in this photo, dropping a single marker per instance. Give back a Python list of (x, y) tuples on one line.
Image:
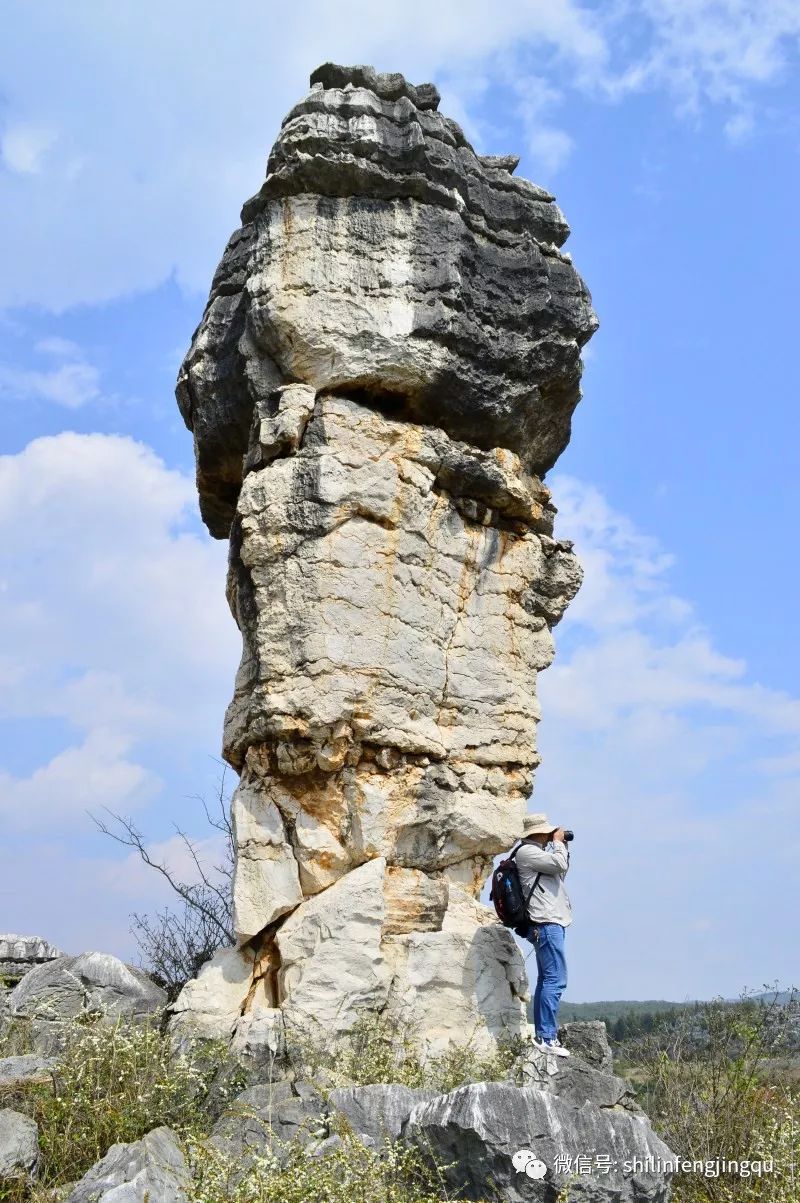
[(297, 1112)]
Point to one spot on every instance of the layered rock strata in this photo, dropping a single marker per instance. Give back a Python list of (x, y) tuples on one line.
[(387, 364)]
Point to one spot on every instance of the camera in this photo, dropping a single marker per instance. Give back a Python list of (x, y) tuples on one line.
[(568, 835)]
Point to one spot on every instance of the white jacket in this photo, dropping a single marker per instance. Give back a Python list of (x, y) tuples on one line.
[(549, 901)]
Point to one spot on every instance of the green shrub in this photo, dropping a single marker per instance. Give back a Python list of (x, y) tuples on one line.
[(348, 1173), (378, 1050), (718, 1092), (114, 1084)]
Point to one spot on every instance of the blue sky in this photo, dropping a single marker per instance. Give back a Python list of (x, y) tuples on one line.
[(669, 131)]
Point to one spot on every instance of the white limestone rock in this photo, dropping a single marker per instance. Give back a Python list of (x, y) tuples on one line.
[(332, 966), (465, 982), (267, 880), (210, 1005), (388, 361)]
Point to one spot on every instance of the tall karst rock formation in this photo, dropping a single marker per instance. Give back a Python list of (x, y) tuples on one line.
[(386, 367)]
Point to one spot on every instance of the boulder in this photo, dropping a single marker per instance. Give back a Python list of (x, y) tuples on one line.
[(19, 1145), (576, 1081), (376, 1113), (268, 1119), (148, 1170), (30, 1069), (486, 1134), (589, 1039), (94, 983)]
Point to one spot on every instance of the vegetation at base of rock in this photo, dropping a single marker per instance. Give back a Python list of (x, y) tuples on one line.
[(114, 1084), (716, 1087), (117, 1082), (378, 1050), (348, 1173)]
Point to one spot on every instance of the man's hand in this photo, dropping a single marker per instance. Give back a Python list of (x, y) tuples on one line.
[(558, 835)]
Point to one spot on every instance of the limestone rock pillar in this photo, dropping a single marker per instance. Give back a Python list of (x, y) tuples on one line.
[(386, 368)]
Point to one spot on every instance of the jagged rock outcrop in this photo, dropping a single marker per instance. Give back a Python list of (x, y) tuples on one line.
[(387, 364), (478, 1132), (569, 1114), (20, 954)]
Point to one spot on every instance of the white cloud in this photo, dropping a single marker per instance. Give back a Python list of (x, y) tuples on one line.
[(709, 51), (156, 150), (115, 624), (653, 745), (72, 382), (163, 133), (23, 147), (548, 146), (61, 789)]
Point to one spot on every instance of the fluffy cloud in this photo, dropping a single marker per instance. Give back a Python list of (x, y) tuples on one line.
[(70, 381), (653, 744), (708, 51), (116, 631), (163, 122)]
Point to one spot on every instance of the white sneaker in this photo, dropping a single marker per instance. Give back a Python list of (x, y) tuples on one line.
[(551, 1046)]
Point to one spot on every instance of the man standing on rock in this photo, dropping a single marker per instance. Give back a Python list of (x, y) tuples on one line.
[(542, 862)]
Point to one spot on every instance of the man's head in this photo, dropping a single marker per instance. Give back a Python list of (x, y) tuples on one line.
[(537, 829)]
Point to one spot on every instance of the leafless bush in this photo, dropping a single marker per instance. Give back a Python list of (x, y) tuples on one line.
[(176, 941)]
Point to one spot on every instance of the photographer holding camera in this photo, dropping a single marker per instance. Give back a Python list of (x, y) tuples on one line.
[(542, 863)]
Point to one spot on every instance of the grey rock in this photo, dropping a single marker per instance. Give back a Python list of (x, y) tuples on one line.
[(149, 1170), (589, 1039), (30, 1069), (20, 954), (95, 982), (377, 1113), (327, 1146), (268, 1119), (476, 1130), (19, 1145), (462, 313), (576, 1081)]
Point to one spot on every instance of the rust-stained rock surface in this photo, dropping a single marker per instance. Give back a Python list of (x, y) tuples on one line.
[(388, 362)]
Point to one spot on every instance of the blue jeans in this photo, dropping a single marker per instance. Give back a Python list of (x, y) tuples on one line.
[(552, 979)]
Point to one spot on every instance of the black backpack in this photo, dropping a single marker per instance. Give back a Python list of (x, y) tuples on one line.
[(510, 903)]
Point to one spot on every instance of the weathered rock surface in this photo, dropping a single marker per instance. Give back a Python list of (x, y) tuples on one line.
[(150, 1169), (29, 1069), (477, 1129), (93, 983), (577, 1081), (383, 256), (268, 1119), (589, 1039), (377, 1113), (20, 954), (388, 362), (19, 1145)]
